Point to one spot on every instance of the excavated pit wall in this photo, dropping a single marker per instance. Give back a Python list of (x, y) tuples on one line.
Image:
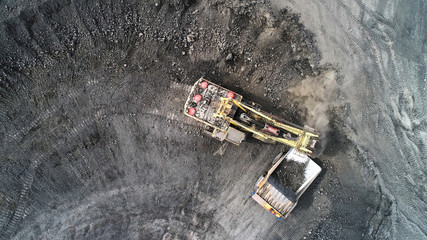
[(380, 48), (95, 145)]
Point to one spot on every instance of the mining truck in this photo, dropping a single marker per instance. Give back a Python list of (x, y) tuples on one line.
[(280, 188), (227, 117)]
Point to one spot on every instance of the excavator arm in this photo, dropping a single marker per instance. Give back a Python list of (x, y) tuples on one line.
[(304, 140)]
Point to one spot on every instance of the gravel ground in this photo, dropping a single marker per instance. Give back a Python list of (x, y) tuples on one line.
[(94, 144)]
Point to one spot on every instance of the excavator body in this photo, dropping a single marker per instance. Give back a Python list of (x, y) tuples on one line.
[(229, 118)]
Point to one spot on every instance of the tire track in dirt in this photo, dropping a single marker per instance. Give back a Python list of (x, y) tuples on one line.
[(57, 143), (375, 57), (388, 33)]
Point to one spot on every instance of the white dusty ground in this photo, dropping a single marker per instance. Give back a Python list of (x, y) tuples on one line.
[(380, 50)]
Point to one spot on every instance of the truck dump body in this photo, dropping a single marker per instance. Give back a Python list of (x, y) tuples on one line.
[(278, 197), (274, 196)]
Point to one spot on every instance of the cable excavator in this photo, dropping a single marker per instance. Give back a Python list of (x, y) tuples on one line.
[(227, 117)]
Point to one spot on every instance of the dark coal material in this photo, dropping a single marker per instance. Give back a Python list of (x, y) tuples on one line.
[(290, 175)]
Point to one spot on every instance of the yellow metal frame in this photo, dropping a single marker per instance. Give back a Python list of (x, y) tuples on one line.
[(304, 136), (272, 210), (224, 108)]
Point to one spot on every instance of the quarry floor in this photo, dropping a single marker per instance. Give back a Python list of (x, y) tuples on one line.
[(94, 144)]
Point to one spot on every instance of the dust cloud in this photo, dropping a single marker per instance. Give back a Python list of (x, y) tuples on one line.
[(317, 95)]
